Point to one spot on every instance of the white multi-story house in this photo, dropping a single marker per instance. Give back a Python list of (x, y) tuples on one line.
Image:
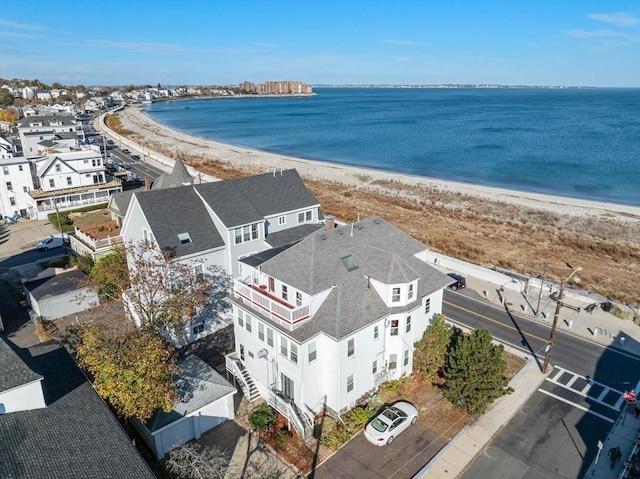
[(328, 319), (71, 180), (35, 129), (16, 185), (215, 224)]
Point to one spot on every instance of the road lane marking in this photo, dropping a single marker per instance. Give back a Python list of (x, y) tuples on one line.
[(635, 357), (578, 406), (584, 392)]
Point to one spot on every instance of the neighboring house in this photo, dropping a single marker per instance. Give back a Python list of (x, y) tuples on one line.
[(16, 184), (215, 224), (97, 240), (59, 294), (330, 318), (74, 436), (205, 400), (20, 387), (34, 129), (179, 176), (71, 180), (118, 204)]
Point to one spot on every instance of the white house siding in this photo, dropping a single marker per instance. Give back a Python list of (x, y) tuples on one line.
[(15, 173), (22, 398), (324, 380), (83, 168), (64, 304), (192, 426), (290, 219)]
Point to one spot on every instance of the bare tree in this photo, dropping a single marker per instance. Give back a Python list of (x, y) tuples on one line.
[(168, 295), (191, 461)]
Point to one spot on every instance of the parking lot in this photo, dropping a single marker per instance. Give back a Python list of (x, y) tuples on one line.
[(402, 459)]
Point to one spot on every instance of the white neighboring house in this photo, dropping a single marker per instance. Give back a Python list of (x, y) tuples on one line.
[(20, 386), (205, 400), (327, 320), (71, 180), (16, 185), (214, 224), (35, 129)]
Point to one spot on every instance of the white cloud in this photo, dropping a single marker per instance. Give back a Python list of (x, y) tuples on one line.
[(268, 45), (403, 42), (594, 34), (20, 26), (619, 19)]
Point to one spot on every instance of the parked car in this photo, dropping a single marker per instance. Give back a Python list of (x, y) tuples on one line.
[(52, 241), (390, 422), (135, 157), (460, 281), (126, 151)]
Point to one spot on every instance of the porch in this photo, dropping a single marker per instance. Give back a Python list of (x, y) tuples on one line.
[(266, 303)]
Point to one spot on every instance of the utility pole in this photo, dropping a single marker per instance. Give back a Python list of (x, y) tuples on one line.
[(552, 335), (544, 267)]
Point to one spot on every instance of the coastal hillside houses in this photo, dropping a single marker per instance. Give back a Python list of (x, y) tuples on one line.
[(214, 225), (330, 318)]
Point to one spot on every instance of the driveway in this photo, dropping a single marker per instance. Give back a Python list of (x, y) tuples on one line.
[(402, 459)]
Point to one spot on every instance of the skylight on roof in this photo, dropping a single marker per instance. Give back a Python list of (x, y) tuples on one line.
[(349, 263), (184, 238)]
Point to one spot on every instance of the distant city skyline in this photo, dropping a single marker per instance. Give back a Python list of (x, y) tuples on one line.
[(421, 42)]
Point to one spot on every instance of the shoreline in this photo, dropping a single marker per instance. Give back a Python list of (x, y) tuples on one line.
[(133, 118)]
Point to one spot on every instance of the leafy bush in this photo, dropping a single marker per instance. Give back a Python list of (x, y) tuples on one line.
[(282, 437), (262, 418)]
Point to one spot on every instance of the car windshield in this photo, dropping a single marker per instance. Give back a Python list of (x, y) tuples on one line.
[(379, 425)]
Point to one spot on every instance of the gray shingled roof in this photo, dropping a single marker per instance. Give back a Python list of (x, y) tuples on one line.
[(179, 176), (381, 251), (119, 202), (252, 198), (179, 210), (14, 371), (198, 384), (292, 235), (75, 437), (46, 120), (57, 285)]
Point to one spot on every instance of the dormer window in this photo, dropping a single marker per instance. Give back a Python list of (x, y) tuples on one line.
[(395, 295), (184, 238)]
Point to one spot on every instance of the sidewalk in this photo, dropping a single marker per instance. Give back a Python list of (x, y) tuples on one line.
[(624, 335)]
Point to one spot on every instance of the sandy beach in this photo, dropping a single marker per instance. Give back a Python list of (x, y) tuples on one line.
[(153, 133)]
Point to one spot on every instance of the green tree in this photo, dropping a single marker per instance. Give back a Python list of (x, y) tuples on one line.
[(132, 369), (110, 274), (430, 355), (262, 418), (476, 372)]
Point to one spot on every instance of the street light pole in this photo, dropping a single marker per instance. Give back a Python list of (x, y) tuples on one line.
[(552, 335), (540, 294)]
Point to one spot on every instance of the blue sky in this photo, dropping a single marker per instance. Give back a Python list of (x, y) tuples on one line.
[(215, 42)]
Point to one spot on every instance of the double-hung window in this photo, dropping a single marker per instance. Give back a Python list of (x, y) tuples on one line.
[(313, 353), (394, 327), (350, 383), (269, 336), (351, 347), (405, 360), (395, 295), (408, 326), (410, 292), (393, 362), (261, 331), (427, 306)]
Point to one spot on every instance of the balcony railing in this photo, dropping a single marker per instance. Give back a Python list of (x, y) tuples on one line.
[(96, 244), (268, 305)]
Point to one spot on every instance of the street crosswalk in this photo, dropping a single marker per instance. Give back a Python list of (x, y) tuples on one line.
[(583, 393)]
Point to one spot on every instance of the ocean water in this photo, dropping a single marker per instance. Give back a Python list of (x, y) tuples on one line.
[(580, 143)]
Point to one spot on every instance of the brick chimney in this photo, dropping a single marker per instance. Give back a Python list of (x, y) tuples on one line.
[(147, 182), (329, 222)]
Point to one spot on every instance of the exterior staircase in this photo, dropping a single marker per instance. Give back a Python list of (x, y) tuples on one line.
[(242, 376)]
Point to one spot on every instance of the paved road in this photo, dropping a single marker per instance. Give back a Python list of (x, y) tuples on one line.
[(556, 433)]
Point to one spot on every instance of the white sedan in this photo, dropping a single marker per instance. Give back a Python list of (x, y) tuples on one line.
[(390, 422)]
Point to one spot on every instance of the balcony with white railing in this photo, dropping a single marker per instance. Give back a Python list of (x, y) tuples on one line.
[(270, 305)]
